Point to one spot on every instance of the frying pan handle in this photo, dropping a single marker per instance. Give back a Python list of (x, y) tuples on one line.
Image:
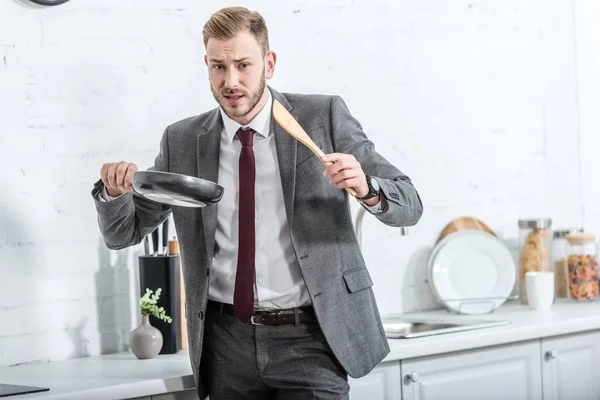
[(350, 190)]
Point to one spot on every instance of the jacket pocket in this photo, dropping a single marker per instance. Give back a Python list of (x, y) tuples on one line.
[(313, 165), (308, 161), (358, 279)]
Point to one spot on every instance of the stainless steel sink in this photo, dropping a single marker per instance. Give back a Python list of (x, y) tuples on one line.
[(400, 328)]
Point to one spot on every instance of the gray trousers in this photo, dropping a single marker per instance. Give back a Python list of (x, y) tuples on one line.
[(245, 361)]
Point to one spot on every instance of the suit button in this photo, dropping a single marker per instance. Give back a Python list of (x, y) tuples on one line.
[(207, 271), (200, 315)]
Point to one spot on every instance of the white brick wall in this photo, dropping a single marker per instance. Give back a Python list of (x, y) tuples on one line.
[(477, 101), (587, 13)]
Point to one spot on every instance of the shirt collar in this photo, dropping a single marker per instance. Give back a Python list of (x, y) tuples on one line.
[(261, 124)]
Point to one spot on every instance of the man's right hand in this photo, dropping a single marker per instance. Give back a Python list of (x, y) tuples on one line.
[(117, 177)]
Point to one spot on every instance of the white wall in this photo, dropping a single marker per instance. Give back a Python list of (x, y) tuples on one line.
[(477, 101), (587, 14)]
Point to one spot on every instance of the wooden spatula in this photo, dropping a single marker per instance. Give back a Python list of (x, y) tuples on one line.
[(291, 126)]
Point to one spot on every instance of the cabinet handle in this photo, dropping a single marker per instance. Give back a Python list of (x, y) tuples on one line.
[(414, 377), (552, 354)]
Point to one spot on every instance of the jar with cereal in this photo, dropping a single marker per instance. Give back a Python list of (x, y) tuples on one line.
[(559, 258), (535, 249), (582, 265)]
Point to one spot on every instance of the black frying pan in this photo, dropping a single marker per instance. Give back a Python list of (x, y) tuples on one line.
[(176, 189)]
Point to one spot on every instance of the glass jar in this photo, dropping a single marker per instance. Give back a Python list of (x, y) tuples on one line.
[(559, 259), (582, 264), (535, 244)]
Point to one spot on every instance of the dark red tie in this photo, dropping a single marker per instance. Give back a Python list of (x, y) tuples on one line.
[(243, 296)]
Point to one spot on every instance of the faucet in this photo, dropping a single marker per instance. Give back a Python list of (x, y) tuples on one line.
[(358, 226)]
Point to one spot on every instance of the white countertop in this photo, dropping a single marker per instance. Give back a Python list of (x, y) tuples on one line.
[(565, 317), (123, 376), (107, 377)]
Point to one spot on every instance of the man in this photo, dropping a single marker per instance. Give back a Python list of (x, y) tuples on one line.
[(279, 301)]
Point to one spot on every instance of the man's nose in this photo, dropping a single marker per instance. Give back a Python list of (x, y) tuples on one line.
[(232, 79)]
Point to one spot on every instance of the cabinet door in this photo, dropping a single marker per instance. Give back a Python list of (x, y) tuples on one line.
[(570, 367), (499, 373), (383, 383)]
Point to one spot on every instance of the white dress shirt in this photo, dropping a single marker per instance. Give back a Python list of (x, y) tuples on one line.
[(278, 280)]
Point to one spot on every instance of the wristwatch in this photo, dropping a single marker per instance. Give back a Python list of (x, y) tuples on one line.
[(374, 188)]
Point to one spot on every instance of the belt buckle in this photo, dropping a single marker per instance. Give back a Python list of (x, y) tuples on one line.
[(253, 320)]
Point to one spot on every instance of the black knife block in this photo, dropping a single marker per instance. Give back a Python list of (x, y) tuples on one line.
[(164, 272)]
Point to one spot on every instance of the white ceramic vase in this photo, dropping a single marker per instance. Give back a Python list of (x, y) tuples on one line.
[(145, 341)]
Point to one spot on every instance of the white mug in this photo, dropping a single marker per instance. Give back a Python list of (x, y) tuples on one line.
[(540, 289)]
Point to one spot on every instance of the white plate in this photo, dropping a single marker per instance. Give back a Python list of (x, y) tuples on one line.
[(471, 272)]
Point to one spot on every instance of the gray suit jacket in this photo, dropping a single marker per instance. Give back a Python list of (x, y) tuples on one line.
[(318, 214)]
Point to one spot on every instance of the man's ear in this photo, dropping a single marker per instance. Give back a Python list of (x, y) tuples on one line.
[(270, 61)]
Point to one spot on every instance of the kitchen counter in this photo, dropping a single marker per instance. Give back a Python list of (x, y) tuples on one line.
[(564, 318), (123, 376), (107, 377)]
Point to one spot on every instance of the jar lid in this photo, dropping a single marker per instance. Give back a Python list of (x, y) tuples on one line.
[(580, 238), (539, 223), (561, 233)]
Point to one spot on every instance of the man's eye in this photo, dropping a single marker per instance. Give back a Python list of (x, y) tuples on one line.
[(218, 66), (244, 65)]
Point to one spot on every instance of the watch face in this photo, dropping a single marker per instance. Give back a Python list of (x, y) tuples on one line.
[(374, 184)]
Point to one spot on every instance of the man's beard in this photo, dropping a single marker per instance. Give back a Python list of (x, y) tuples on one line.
[(237, 111)]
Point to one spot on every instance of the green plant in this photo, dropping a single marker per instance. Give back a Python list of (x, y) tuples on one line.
[(149, 307)]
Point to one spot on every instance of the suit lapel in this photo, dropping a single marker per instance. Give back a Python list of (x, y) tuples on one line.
[(208, 145), (286, 158)]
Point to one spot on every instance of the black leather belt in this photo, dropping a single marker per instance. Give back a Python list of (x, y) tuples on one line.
[(300, 315)]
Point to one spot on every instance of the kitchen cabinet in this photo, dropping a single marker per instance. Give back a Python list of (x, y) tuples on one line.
[(570, 367), (500, 372), (383, 382)]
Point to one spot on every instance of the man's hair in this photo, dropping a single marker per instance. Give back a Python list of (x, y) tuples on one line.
[(228, 22)]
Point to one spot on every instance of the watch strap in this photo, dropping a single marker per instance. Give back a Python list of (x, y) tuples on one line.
[(372, 192)]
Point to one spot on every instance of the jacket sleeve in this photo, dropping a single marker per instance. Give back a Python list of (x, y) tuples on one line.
[(128, 219), (404, 204)]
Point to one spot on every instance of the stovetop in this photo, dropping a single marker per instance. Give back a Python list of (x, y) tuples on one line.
[(12, 390)]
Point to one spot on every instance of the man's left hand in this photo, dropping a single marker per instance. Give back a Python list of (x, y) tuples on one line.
[(345, 172)]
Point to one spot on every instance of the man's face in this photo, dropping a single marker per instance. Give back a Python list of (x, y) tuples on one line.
[(238, 71)]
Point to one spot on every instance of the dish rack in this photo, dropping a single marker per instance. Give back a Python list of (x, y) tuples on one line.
[(470, 301)]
